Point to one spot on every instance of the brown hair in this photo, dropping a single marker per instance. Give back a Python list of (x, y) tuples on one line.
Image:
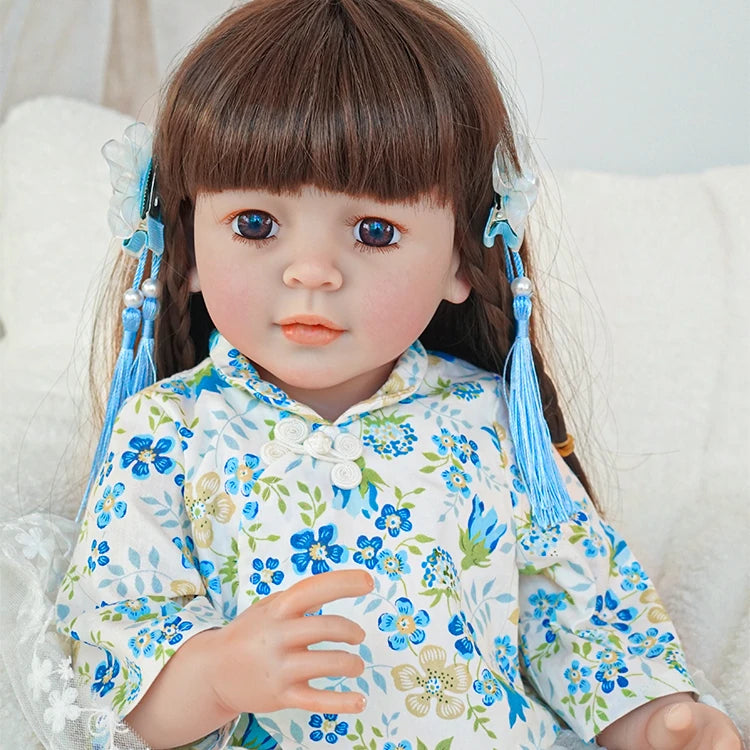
[(387, 98)]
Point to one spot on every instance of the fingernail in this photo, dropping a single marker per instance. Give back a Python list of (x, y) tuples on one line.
[(362, 703)]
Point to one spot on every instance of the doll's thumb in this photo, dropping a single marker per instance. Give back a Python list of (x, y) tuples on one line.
[(670, 728)]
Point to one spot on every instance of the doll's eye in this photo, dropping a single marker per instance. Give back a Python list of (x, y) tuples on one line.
[(253, 225), (376, 232)]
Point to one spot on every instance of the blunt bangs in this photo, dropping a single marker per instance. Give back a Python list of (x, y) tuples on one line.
[(350, 96)]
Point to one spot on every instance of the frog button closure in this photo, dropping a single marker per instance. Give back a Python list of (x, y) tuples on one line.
[(292, 435)]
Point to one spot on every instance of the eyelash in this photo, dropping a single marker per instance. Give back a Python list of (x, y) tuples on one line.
[(351, 223)]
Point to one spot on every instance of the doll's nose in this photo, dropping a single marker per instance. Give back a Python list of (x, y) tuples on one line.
[(313, 271)]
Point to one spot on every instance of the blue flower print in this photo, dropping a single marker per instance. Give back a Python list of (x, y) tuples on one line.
[(634, 577), (676, 660), (187, 548), (394, 520), (104, 677), (488, 687), (403, 745), (134, 608), (133, 682), (316, 551), (466, 450), (594, 546), (467, 391), (605, 613), (176, 386), (106, 469), (404, 626), (439, 570), (109, 504), (388, 436), (98, 554), (541, 543), (465, 645), (518, 483), (241, 475), (256, 737), (445, 442), (576, 676), (546, 604), (183, 432), (145, 642), (505, 653), (144, 456), (368, 551), (173, 628), (239, 361), (327, 726), (265, 575), (250, 510), (457, 480), (611, 670), (394, 565), (206, 568), (651, 644), (484, 529)]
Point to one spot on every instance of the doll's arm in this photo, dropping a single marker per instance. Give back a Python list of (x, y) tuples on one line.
[(672, 722), (257, 663)]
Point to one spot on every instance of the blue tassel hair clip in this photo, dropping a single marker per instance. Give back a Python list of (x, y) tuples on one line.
[(134, 218), (515, 195)]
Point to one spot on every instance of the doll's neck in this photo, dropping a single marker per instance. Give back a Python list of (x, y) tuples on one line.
[(330, 403)]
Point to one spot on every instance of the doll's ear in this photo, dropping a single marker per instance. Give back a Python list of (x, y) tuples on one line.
[(457, 288), (194, 283)]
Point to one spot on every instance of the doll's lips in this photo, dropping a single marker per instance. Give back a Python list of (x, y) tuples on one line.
[(310, 330)]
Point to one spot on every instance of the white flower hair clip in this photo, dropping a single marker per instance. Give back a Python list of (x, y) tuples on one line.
[(131, 174), (515, 195)]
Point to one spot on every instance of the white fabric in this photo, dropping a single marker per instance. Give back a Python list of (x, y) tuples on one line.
[(663, 261)]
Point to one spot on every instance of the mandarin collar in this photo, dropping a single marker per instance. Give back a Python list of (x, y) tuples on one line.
[(234, 367)]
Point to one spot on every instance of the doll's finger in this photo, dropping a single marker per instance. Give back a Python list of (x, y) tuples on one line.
[(335, 628), (670, 728), (730, 742), (310, 594), (302, 666), (325, 701)]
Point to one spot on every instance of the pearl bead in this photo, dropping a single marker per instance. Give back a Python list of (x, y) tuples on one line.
[(521, 287), (133, 298), (151, 288)]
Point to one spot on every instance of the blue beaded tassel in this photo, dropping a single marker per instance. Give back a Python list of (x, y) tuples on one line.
[(144, 369), (134, 371), (549, 500)]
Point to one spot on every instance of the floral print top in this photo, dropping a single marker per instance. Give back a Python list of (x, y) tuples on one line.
[(218, 490)]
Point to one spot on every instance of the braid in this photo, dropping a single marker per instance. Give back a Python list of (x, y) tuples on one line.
[(175, 347), (175, 350)]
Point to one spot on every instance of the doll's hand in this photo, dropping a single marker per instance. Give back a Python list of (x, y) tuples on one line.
[(691, 726), (263, 663)]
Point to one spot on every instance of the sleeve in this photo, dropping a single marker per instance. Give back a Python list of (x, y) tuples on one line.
[(595, 639), (133, 593)]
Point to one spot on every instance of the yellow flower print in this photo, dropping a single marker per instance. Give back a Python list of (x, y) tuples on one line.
[(436, 682), (185, 588), (203, 503)]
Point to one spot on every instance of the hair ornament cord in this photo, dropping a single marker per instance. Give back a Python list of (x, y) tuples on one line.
[(515, 195), (134, 217)]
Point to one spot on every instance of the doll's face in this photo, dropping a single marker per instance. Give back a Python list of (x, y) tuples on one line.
[(264, 259)]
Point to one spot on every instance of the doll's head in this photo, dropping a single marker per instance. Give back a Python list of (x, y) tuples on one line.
[(389, 99)]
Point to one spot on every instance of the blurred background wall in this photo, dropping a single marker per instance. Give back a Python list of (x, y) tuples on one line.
[(626, 86)]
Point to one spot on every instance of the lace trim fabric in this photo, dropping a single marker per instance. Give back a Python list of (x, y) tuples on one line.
[(35, 551)]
